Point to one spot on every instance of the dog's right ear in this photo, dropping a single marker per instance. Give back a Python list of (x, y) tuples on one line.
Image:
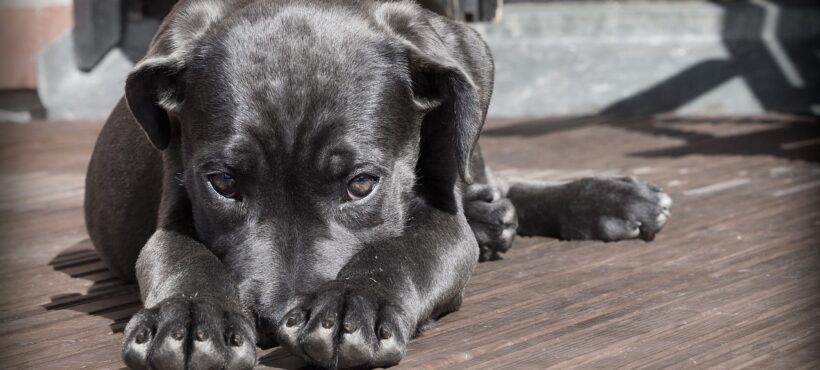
[(451, 79), (152, 91)]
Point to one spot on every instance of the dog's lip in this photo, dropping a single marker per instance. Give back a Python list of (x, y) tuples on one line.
[(265, 340), (266, 326)]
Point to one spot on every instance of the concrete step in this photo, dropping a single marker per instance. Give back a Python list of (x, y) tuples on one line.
[(689, 57), (556, 58)]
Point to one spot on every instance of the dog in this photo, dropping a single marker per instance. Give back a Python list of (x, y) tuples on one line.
[(306, 173)]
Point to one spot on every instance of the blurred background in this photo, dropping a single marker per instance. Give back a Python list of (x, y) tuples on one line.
[(67, 60)]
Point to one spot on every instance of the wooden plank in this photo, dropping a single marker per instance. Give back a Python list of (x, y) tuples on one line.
[(731, 282)]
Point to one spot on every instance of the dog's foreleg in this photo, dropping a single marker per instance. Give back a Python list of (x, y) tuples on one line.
[(192, 318), (380, 298)]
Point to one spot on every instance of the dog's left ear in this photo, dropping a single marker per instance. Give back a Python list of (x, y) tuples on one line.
[(152, 91), (155, 88), (451, 72)]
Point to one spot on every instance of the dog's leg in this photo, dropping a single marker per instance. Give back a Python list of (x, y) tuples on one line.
[(192, 313), (491, 215), (122, 192), (594, 208), (597, 208), (192, 318), (365, 317)]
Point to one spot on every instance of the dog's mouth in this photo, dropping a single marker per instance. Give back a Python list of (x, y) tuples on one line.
[(265, 339)]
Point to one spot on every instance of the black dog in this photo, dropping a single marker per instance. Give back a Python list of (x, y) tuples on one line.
[(310, 178)]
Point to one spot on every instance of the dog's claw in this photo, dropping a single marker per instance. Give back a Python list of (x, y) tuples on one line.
[(141, 337), (329, 321), (294, 318), (201, 335), (236, 340), (350, 327), (178, 334), (384, 333)]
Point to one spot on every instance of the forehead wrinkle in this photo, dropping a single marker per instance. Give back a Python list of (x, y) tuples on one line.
[(277, 67), (236, 151), (276, 84), (297, 38), (262, 143)]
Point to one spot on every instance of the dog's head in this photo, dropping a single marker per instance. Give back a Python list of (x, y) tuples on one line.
[(301, 135)]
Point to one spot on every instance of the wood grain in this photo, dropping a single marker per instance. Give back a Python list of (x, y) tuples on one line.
[(732, 282)]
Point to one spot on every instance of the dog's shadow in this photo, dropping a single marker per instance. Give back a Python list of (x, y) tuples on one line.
[(117, 300), (108, 296)]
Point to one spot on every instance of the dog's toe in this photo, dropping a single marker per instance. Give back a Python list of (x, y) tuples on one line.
[(664, 200), (357, 339), (290, 328), (493, 220), (189, 333), (138, 339), (654, 214), (344, 327), (616, 228), (618, 208)]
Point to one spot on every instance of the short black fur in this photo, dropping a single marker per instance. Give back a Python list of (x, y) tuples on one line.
[(291, 100)]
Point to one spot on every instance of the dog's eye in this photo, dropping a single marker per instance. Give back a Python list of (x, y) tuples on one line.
[(224, 184), (360, 186)]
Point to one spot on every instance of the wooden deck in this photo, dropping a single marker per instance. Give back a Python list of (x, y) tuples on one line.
[(731, 282)]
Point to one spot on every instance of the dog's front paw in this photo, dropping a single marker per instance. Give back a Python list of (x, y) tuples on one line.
[(342, 326), (614, 208), (189, 333), (492, 219)]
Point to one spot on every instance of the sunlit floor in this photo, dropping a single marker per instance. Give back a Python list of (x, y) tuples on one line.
[(732, 280)]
